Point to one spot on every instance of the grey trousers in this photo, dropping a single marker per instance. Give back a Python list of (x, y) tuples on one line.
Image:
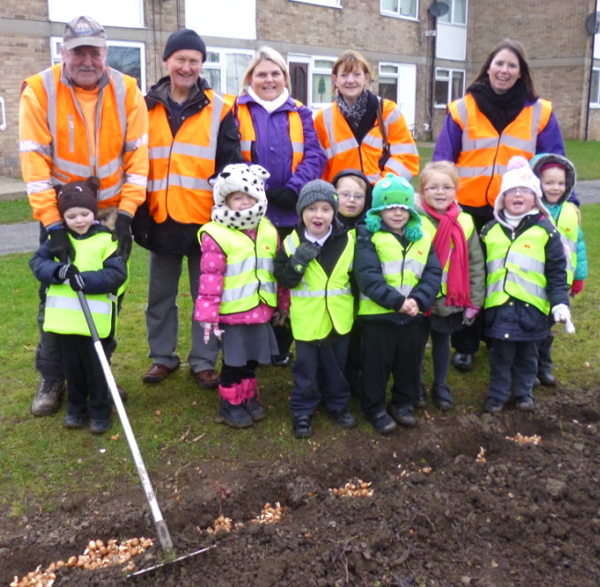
[(162, 313)]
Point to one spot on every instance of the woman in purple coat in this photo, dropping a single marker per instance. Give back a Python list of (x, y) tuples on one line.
[(278, 133)]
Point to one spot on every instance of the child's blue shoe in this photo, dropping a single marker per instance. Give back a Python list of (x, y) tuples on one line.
[(74, 420), (234, 415), (344, 418), (525, 403), (100, 426), (403, 415), (493, 406), (383, 423), (302, 426)]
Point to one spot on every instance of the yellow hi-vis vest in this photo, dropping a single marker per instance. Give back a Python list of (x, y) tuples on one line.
[(249, 273), (466, 223), (242, 113), (321, 303), (516, 268), (63, 313), (401, 268), (568, 226)]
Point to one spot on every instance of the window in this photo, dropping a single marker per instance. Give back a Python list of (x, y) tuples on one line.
[(224, 69), (118, 13), (400, 8), (299, 81), (595, 89), (328, 3), (457, 13), (322, 84), (398, 83), (127, 57), (449, 86)]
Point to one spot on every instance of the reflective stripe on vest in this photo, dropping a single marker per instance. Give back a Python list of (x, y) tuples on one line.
[(178, 184), (248, 278), (244, 117), (401, 268), (344, 152), (107, 163), (485, 153), (516, 268), (466, 223), (320, 303), (63, 313), (568, 226)]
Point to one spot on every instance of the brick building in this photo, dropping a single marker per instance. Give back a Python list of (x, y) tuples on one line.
[(396, 36)]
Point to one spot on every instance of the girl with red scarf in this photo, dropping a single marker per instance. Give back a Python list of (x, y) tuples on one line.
[(458, 249)]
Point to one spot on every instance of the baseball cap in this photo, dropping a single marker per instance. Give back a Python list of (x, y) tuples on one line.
[(83, 31)]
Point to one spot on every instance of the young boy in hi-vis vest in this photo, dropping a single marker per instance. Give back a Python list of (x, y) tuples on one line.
[(315, 262), (399, 276), (100, 274)]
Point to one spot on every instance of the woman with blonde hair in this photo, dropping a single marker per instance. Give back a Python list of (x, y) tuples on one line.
[(362, 131), (278, 133)]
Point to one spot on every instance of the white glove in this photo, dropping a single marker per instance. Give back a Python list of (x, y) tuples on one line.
[(561, 313)]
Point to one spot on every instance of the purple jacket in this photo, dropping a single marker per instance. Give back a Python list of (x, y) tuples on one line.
[(274, 152), (448, 145)]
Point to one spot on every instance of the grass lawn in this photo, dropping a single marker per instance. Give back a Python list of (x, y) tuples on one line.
[(40, 461)]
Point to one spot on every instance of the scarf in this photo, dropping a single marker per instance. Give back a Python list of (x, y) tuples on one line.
[(243, 220), (353, 114), (450, 231), (270, 106), (499, 109)]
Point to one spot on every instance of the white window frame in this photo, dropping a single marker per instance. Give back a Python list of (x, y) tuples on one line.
[(450, 17), (324, 3), (222, 65), (312, 70), (390, 75), (595, 100), (64, 11), (438, 77), (56, 57), (397, 14)]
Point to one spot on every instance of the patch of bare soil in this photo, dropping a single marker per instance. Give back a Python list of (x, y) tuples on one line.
[(462, 500)]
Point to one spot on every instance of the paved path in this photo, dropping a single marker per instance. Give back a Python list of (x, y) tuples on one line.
[(24, 237)]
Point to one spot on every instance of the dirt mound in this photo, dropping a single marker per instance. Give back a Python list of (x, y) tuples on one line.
[(464, 499)]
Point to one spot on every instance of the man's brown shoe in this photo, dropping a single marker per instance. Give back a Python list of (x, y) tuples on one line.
[(206, 379), (158, 372)]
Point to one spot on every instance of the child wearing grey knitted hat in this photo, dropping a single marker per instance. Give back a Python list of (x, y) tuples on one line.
[(315, 262)]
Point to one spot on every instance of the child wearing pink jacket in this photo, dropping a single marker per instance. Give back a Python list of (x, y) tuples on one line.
[(238, 294)]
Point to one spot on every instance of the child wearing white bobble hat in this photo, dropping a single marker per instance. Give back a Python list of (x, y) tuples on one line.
[(526, 280), (238, 292)]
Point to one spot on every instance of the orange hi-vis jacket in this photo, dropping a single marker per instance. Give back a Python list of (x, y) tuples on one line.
[(242, 113), (485, 153), (344, 152), (54, 141), (180, 166)]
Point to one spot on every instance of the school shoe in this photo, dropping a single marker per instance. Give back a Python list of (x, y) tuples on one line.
[(74, 420), (100, 426), (47, 397), (421, 398), (463, 361), (122, 394), (536, 382), (302, 426), (382, 422), (158, 372), (344, 418), (281, 360), (493, 406), (525, 403), (442, 398), (207, 378), (547, 379), (234, 415), (403, 415)]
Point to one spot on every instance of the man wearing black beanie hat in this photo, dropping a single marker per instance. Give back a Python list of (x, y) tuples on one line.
[(193, 136)]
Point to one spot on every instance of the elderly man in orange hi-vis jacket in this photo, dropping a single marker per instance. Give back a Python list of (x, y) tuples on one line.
[(80, 119)]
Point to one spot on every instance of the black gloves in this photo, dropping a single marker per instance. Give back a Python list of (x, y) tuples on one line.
[(122, 233), (304, 254), (284, 198), (141, 227), (70, 272), (60, 246)]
